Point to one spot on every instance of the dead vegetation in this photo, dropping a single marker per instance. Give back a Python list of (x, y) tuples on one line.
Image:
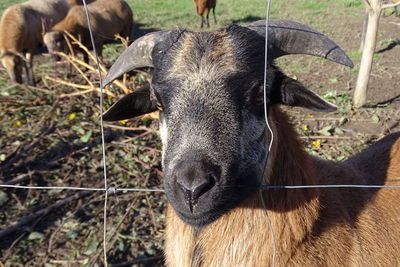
[(51, 138)]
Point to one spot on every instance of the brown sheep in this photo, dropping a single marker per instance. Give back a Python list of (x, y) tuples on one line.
[(208, 87), (21, 29), (107, 17), (203, 7)]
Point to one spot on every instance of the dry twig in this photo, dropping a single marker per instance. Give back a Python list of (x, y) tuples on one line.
[(130, 128), (27, 219), (78, 64)]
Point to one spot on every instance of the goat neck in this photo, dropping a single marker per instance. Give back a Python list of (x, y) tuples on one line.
[(292, 213)]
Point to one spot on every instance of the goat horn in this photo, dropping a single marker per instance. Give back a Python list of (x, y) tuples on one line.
[(289, 37), (137, 55)]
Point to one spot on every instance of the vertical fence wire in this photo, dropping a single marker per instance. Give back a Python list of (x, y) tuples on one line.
[(267, 12), (102, 136)]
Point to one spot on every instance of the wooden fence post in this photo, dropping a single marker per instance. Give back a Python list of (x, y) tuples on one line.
[(374, 9)]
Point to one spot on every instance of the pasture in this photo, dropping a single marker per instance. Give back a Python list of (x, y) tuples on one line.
[(50, 135)]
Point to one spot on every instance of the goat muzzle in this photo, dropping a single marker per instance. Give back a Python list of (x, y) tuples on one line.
[(195, 178)]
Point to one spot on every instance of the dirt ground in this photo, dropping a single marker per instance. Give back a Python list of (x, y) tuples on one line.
[(381, 115), (61, 150)]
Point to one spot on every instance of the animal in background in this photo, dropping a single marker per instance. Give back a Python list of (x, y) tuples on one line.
[(203, 7), (108, 18), (21, 31), (208, 87)]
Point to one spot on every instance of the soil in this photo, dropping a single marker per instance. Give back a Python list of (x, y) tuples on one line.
[(381, 115)]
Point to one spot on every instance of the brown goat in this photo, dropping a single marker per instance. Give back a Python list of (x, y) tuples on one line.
[(312, 227), (108, 18), (208, 87), (203, 7), (21, 29)]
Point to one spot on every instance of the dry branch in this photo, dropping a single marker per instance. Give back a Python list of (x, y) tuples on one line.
[(84, 48), (130, 128), (27, 219), (78, 64), (124, 41), (325, 137), (19, 179), (80, 93), (75, 85), (23, 151), (390, 5), (87, 88)]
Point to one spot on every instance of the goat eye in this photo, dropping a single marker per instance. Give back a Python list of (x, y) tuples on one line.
[(156, 98), (257, 95)]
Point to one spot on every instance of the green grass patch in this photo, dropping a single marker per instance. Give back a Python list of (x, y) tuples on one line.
[(352, 3), (354, 55), (6, 3)]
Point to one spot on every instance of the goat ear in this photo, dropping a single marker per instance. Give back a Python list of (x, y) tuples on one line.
[(131, 105), (290, 92)]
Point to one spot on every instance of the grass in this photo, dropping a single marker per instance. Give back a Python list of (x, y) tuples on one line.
[(6, 3), (169, 14)]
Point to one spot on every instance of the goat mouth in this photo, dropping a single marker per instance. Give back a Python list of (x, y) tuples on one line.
[(199, 219)]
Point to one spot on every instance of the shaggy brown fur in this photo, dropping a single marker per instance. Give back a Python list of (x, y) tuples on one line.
[(203, 7), (313, 227), (108, 18), (21, 29)]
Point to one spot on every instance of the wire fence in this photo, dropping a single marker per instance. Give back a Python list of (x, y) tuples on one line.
[(112, 190)]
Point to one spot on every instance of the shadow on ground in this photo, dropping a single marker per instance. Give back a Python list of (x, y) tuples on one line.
[(247, 19)]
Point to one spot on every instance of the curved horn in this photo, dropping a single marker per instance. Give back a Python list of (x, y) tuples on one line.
[(137, 55), (289, 37)]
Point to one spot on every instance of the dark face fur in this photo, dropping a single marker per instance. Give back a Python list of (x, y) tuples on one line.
[(212, 133), (208, 87)]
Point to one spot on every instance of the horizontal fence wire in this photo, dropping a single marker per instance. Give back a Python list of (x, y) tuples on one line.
[(109, 189), (326, 186), (117, 189)]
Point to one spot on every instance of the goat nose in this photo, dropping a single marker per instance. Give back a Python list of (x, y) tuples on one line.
[(194, 180)]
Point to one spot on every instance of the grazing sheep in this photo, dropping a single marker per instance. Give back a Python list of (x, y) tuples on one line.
[(208, 87), (108, 18), (203, 7), (21, 29)]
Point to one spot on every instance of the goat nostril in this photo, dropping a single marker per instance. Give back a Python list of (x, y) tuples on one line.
[(194, 189), (201, 189)]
